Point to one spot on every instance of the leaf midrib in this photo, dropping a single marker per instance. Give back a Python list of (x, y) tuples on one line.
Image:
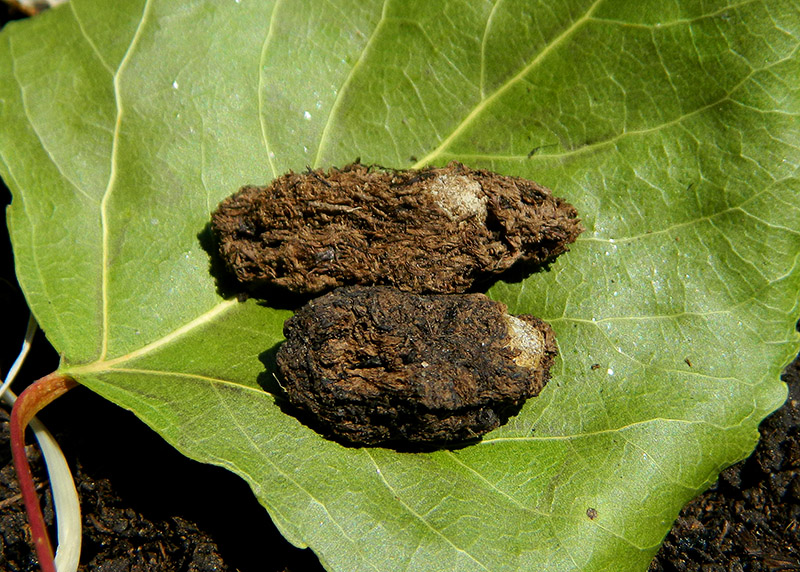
[(112, 177)]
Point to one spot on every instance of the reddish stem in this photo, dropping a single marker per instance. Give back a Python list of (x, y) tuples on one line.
[(38, 395)]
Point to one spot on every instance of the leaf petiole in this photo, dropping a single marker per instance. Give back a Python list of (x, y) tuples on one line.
[(37, 396)]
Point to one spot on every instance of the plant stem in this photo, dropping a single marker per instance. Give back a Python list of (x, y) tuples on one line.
[(37, 396)]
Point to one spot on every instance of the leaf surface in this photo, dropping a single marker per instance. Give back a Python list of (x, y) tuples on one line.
[(672, 127)]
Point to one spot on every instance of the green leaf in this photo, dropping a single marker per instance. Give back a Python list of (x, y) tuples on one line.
[(671, 126)]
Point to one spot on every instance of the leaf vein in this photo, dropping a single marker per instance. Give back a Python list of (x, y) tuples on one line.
[(89, 40), (484, 103), (707, 218), (340, 94), (112, 177), (255, 447), (31, 237), (677, 21), (261, 86), (494, 487), (589, 434), (32, 123), (103, 365), (484, 40), (418, 517), (179, 374)]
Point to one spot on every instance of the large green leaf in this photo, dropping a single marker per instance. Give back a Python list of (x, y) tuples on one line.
[(672, 126)]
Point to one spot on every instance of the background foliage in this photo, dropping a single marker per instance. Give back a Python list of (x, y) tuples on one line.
[(672, 126)]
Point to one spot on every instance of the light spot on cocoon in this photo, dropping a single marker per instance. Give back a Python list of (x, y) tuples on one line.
[(459, 197), (528, 340)]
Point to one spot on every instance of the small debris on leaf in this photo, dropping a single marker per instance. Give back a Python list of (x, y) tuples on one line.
[(436, 230), (375, 365)]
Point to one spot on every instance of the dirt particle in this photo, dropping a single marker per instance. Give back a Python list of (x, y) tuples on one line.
[(591, 513), (440, 230), (374, 365)]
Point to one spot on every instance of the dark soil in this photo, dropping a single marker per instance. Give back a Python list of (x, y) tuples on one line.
[(431, 230), (376, 366), (144, 506), (116, 537), (750, 519)]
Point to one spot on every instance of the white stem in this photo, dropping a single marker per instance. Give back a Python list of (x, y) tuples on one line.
[(65, 497), (23, 353)]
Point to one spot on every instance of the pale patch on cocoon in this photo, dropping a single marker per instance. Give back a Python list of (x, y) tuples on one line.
[(459, 197), (528, 340)]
